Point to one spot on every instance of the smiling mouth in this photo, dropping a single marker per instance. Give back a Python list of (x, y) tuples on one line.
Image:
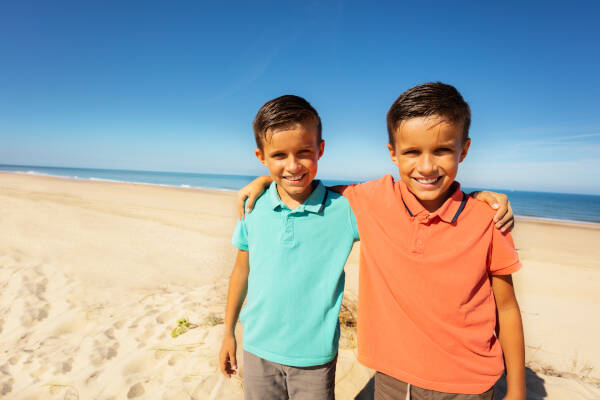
[(295, 178), (428, 181)]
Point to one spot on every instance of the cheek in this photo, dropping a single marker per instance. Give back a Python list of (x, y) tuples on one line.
[(310, 162), (450, 164), (274, 165), (405, 164)]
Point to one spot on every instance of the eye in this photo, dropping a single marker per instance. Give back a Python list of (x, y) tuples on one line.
[(278, 155), (410, 153), (443, 150)]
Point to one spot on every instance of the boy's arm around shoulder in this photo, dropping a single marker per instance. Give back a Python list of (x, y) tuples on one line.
[(238, 287), (248, 194), (510, 335), (504, 217)]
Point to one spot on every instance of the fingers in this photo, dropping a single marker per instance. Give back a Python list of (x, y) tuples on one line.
[(494, 200), (233, 362), (240, 204), (245, 203), (508, 220), (230, 365), (228, 362), (504, 217), (226, 366), (250, 203), (224, 363), (500, 213)]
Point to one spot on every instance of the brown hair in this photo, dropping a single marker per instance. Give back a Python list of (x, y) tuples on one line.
[(434, 98), (281, 112)]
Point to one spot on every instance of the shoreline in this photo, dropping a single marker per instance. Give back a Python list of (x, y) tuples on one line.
[(78, 179), (555, 221)]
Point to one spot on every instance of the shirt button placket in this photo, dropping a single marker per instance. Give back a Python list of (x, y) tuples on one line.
[(287, 235), (419, 246)]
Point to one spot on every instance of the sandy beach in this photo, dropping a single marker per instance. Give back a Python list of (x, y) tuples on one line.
[(94, 276)]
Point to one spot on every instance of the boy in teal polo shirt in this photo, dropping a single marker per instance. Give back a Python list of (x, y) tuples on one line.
[(290, 264)]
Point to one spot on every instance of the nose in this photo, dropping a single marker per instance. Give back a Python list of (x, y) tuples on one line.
[(293, 164), (426, 165)]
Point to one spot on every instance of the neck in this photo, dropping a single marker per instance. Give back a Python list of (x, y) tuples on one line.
[(294, 200), (435, 204)]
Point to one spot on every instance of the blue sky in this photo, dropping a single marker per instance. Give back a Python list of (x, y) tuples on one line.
[(174, 86)]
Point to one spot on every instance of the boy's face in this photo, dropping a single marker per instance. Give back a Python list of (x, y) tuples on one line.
[(291, 154), (427, 152)]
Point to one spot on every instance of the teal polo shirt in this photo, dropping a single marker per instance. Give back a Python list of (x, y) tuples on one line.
[(296, 279)]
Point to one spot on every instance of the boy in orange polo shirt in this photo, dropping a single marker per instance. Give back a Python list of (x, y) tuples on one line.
[(437, 308)]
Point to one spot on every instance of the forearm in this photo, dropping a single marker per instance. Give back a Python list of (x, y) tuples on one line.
[(510, 335), (262, 181), (251, 192), (238, 287)]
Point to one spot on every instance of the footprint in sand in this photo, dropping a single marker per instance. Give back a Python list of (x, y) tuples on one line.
[(103, 353), (141, 362), (33, 286), (40, 287), (92, 377), (146, 333), (71, 394), (110, 333), (6, 386), (136, 391), (174, 359), (119, 324), (67, 365), (136, 322)]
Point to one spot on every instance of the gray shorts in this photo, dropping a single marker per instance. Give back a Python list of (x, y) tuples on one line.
[(266, 380), (389, 388)]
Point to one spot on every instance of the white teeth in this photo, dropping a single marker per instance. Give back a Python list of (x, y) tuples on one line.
[(294, 178), (432, 180)]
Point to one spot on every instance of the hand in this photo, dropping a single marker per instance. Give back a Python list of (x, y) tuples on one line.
[(504, 218), (513, 396), (251, 192), (227, 358)]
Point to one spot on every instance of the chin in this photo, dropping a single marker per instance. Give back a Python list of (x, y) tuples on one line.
[(294, 189)]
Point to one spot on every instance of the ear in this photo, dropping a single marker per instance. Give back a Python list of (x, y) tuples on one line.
[(321, 149), (465, 150), (392, 153), (260, 155)]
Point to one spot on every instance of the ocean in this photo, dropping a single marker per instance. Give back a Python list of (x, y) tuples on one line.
[(553, 206)]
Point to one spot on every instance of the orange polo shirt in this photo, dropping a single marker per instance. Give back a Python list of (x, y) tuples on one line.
[(426, 312)]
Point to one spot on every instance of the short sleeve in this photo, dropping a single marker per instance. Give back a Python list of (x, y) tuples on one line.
[(240, 235), (362, 195), (503, 258), (348, 191)]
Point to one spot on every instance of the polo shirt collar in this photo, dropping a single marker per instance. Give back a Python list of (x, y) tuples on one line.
[(448, 212), (314, 203)]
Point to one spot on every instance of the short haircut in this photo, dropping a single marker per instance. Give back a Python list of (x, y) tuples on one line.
[(434, 98), (282, 112)]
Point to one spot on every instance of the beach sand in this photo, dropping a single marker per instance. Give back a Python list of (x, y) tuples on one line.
[(94, 276)]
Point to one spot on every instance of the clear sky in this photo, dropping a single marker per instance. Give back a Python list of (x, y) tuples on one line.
[(175, 85)]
